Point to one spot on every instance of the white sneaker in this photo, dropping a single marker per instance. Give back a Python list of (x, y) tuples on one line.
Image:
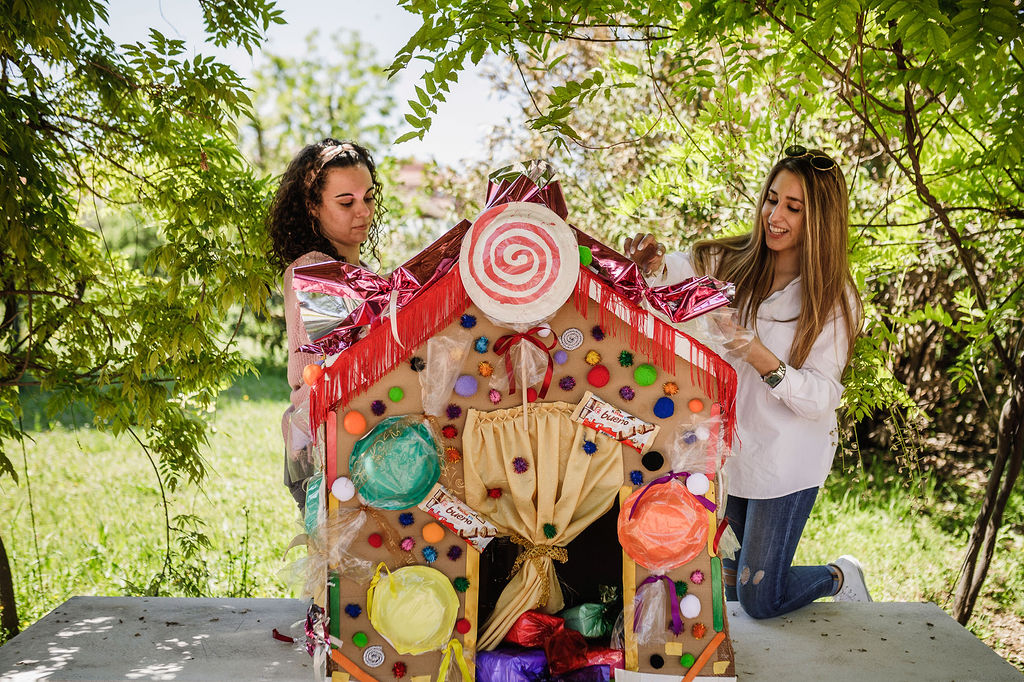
[(854, 586)]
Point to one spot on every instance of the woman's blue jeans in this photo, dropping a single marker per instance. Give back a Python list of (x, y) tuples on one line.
[(767, 584)]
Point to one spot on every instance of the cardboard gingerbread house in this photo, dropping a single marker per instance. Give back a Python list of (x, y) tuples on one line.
[(522, 453)]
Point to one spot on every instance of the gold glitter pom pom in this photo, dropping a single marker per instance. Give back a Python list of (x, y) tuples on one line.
[(593, 357), (670, 388), (485, 369)]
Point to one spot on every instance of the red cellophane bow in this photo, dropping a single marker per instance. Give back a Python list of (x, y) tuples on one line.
[(503, 346)]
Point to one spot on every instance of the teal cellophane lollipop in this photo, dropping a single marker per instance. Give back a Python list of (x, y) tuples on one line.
[(396, 464)]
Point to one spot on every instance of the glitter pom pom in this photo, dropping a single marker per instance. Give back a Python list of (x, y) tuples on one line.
[(589, 447), (670, 388), (625, 359), (636, 477), (353, 610), (378, 407), (699, 630), (550, 531), (494, 395), (485, 369), (681, 589), (593, 357), (460, 584), (494, 493), (467, 321), (405, 518), (597, 333), (429, 555), (417, 364), (452, 455), (567, 383), (407, 544), (697, 577), (454, 552), (398, 670), (520, 465), (627, 393), (480, 345), (453, 411), (449, 431)]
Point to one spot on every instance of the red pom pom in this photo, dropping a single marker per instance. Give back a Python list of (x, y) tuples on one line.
[(494, 493), (375, 540), (531, 395), (398, 670), (462, 626), (599, 376), (449, 431)]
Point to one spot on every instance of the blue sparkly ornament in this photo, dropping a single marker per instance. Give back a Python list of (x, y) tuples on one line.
[(636, 477), (467, 321), (481, 344), (405, 518), (589, 447), (429, 555), (353, 610)]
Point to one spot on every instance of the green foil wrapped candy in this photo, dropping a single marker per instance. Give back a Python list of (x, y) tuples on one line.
[(396, 464)]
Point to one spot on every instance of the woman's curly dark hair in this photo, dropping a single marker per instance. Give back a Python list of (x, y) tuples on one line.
[(293, 228)]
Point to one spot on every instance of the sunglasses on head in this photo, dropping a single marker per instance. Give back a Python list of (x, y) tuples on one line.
[(818, 161)]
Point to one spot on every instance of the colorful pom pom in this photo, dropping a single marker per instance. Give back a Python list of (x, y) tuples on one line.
[(681, 588), (485, 369), (636, 477), (627, 393), (560, 357), (417, 364), (657, 661), (454, 552), (375, 540), (360, 639), (398, 670), (645, 374), (699, 630), (597, 333), (449, 431), (589, 447), (586, 256), (652, 460), (598, 376), (494, 395), (453, 411), (429, 555), (567, 383), (432, 533), (664, 408), (494, 493), (592, 357), (466, 385), (696, 405), (480, 345), (396, 393), (531, 395), (405, 518), (452, 455), (520, 465), (625, 359), (353, 610), (407, 544), (460, 584), (467, 321), (687, 660), (697, 577), (550, 531), (378, 407), (462, 626), (689, 437), (670, 388)]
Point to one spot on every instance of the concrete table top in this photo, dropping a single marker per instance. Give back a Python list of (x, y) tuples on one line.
[(140, 638)]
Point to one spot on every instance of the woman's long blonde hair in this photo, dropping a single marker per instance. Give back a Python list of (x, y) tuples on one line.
[(827, 285)]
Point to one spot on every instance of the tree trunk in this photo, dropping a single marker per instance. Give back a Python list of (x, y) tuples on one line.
[(1005, 471), (8, 605)]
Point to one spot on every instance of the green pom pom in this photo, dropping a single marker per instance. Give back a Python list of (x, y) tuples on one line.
[(461, 584), (687, 660), (680, 589), (360, 639), (645, 375), (550, 531), (396, 394), (625, 358), (586, 256)]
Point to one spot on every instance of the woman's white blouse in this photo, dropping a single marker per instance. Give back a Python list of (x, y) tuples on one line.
[(787, 436)]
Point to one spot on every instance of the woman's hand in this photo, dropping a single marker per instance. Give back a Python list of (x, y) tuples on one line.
[(646, 252)]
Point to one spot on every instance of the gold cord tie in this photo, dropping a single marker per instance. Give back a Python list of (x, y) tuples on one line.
[(535, 553)]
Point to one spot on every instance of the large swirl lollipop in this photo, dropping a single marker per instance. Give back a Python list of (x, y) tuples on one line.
[(519, 262)]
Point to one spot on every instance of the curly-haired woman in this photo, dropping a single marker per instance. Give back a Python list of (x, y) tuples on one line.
[(799, 315), (327, 208)]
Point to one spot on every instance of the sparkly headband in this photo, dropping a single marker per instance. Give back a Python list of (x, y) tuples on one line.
[(326, 155)]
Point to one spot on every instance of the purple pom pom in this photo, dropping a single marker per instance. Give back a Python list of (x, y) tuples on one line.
[(627, 393), (567, 383), (520, 465), (453, 411), (454, 552), (378, 407), (597, 333)]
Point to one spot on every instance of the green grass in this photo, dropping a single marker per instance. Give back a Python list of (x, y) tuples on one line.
[(98, 526)]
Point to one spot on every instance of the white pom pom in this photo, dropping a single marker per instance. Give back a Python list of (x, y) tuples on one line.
[(689, 606), (544, 332), (697, 484), (703, 433), (343, 489)]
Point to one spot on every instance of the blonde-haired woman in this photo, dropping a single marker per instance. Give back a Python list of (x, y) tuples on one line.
[(798, 316)]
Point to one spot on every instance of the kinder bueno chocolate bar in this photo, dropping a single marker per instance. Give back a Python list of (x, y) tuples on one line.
[(622, 426), (458, 517)]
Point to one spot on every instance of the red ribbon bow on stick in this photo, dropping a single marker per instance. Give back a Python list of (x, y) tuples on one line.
[(503, 346)]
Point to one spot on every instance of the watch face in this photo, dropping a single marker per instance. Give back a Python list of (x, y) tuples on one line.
[(773, 379)]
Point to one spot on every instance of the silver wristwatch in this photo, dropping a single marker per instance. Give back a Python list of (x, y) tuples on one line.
[(774, 377)]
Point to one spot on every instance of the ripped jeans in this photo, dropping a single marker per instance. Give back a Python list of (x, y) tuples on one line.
[(767, 584)]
